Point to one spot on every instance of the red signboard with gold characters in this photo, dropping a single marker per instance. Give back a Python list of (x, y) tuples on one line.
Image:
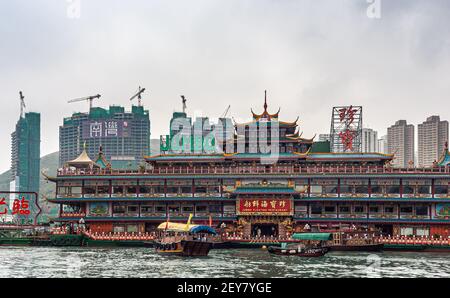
[(281, 207)]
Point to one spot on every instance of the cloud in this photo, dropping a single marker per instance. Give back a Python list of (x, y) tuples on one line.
[(309, 55)]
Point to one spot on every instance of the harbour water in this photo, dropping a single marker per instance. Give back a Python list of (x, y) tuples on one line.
[(145, 263)]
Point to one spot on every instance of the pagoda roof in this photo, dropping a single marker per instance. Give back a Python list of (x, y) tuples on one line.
[(82, 161), (101, 161), (265, 115), (445, 158)]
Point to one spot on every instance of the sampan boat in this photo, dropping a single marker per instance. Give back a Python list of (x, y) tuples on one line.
[(310, 245), (185, 240)]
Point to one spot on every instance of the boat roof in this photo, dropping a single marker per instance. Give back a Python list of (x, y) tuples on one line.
[(312, 236), (179, 227)]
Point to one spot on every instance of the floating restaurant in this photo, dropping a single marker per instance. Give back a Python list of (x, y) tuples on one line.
[(307, 186)]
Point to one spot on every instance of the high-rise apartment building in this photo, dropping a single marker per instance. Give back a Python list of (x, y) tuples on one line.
[(369, 140), (432, 136), (401, 143), (124, 136), (383, 145), (26, 153)]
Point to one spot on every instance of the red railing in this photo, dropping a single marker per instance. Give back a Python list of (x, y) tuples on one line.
[(212, 170), (402, 240)]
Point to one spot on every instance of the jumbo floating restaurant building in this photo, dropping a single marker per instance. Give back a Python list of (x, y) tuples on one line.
[(306, 186)]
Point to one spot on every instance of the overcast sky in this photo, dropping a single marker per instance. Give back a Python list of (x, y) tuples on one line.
[(309, 54)]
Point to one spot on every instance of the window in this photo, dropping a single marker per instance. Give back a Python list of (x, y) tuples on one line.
[(359, 209), (407, 231), (424, 190), (187, 209), (144, 190), (330, 189), (408, 189), (316, 189), (344, 209), (119, 209), (330, 209), (147, 209), (421, 210), (201, 209), (186, 190), (131, 189), (174, 209), (376, 189), (160, 209), (132, 228), (172, 189), (389, 209), (423, 232), (316, 209), (103, 189), (346, 188), (406, 210), (132, 209), (215, 209), (89, 190), (362, 189), (440, 189), (374, 209), (393, 189), (118, 190), (200, 189)]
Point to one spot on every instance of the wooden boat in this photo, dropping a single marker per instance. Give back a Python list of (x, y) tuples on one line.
[(353, 241), (310, 252), (310, 245), (185, 240)]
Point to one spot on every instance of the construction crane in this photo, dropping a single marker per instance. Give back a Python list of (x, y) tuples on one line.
[(139, 96), (184, 103), (89, 98), (22, 104), (226, 112)]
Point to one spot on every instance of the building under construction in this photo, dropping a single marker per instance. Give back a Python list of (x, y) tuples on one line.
[(123, 135)]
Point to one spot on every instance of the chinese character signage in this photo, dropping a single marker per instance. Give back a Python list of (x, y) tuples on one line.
[(18, 207), (265, 207), (105, 129), (346, 129)]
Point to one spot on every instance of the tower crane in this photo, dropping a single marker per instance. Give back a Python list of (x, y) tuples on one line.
[(184, 103), (139, 96), (22, 104), (89, 98), (226, 112)]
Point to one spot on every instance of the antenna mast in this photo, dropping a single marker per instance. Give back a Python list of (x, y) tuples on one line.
[(184, 103)]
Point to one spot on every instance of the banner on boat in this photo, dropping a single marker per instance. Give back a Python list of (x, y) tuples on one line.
[(282, 207)]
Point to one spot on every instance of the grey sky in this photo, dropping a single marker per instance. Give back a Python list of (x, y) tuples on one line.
[(308, 54)]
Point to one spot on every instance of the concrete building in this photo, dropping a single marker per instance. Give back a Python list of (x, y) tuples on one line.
[(383, 145), (124, 136), (432, 136), (369, 140), (401, 143), (324, 137)]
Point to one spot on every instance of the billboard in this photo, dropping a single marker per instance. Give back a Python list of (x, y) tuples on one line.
[(346, 129), (105, 129), (283, 207)]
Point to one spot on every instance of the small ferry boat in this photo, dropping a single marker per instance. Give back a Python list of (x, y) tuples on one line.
[(354, 241), (185, 240), (310, 245)]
